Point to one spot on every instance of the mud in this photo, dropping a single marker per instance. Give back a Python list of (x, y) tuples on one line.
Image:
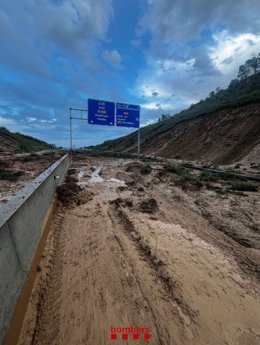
[(16, 170), (188, 271), (70, 193)]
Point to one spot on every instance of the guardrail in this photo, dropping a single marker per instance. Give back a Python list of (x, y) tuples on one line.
[(191, 166), (21, 221)]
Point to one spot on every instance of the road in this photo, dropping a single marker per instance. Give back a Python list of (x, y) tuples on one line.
[(138, 252)]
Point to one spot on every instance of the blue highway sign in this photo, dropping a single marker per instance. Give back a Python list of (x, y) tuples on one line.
[(101, 112), (127, 115)]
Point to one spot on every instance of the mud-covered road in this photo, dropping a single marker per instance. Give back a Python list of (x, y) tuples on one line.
[(171, 265)]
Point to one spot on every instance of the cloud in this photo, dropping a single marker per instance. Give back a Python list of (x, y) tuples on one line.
[(182, 79), (231, 51), (113, 58), (39, 29), (184, 20), (5, 122), (150, 105), (26, 55), (31, 119), (136, 43), (195, 47)]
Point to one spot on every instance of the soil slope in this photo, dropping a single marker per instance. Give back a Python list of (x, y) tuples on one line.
[(222, 137), (16, 142)]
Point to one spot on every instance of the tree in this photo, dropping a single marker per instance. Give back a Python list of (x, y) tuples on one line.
[(233, 84), (164, 117), (243, 72), (251, 66)]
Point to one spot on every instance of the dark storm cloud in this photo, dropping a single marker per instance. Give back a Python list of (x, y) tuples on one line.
[(184, 20), (195, 46), (49, 61), (203, 65), (32, 31)]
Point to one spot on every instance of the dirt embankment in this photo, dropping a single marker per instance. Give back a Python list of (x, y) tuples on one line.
[(223, 137), (16, 170), (166, 262)]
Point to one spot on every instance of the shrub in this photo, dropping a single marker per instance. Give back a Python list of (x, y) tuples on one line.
[(207, 176), (146, 169), (244, 186), (148, 205), (175, 169), (3, 163), (186, 179), (227, 175), (32, 158), (8, 175)]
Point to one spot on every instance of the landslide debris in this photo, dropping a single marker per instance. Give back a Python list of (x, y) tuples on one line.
[(70, 193)]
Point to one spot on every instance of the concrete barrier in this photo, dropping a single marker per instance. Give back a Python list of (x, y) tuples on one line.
[(21, 221)]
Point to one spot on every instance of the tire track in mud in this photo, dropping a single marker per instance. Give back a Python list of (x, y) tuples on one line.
[(170, 285), (157, 327), (172, 292), (49, 296)]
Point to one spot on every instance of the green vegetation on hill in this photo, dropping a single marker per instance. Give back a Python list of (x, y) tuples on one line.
[(241, 91), (20, 142)]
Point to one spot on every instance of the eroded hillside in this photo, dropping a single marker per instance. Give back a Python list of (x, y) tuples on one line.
[(223, 137)]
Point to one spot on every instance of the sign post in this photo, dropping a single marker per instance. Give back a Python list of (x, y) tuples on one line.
[(128, 115), (110, 114), (70, 133), (75, 118), (139, 144)]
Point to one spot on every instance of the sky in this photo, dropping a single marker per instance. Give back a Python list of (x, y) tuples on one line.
[(163, 55)]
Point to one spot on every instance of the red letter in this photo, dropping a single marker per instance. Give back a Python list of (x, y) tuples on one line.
[(113, 329)]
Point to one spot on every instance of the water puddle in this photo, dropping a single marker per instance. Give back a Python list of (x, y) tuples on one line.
[(117, 182), (95, 178), (81, 174)]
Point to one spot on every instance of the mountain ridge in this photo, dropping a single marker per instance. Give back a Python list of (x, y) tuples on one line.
[(18, 142)]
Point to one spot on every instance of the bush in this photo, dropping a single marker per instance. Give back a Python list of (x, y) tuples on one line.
[(2, 163), (244, 186), (207, 176), (146, 169), (227, 175), (175, 169), (8, 175), (32, 158), (186, 179), (148, 206)]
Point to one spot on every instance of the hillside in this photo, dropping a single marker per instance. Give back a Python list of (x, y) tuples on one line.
[(223, 128), (17, 142)]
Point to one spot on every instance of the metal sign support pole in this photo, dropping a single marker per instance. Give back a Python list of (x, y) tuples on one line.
[(70, 133), (75, 118), (138, 144)]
